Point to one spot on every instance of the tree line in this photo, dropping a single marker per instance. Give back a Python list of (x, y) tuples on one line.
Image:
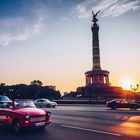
[(32, 91)]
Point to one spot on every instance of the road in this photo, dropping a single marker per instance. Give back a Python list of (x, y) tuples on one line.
[(84, 123)]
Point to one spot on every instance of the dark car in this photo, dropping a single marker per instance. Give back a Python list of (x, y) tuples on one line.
[(122, 103), (4, 101)]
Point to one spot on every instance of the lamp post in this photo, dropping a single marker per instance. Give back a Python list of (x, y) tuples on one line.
[(11, 93), (134, 88)]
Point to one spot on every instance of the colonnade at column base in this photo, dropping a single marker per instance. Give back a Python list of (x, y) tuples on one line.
[(97, 78)]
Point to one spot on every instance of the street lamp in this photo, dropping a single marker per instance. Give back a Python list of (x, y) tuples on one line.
[(11, 93), (134, 88)]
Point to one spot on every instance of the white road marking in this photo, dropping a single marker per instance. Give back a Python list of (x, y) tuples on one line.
[(91, 130)]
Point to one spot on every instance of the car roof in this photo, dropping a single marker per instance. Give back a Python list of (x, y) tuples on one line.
[(3, 96), (42, 99), (23, 99), (117, 100)]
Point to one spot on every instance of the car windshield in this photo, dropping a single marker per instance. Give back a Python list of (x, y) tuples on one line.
[(124, 101), (4, 98), (23, 103)]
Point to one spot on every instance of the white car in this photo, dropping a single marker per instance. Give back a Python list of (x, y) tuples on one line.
[(44, 103)]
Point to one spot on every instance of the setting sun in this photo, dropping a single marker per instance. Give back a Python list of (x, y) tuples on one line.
[(126, 84)]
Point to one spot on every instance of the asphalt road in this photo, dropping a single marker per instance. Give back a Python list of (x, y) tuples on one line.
[(83, 123)]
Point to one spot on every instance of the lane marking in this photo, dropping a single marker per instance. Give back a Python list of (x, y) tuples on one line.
[(91, 130)]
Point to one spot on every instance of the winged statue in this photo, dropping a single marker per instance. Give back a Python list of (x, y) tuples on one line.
[(95, 16)]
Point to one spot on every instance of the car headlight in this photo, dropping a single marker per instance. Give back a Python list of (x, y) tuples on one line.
[(27, 116), (49, 114)]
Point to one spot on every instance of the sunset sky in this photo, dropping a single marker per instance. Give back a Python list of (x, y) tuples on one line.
[(50, 40)]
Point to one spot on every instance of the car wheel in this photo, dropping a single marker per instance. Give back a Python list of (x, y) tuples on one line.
[(113, 107), (16, 126), (48, 105), (135, 108)]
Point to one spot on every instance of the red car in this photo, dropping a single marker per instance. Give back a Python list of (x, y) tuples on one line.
[(24, 114)]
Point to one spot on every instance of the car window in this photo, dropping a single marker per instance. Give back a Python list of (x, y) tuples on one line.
[(18, 104), (118, 102), (124, 101), (4, 98), (41, 101), (38, 101), (24, 103), (48, 100)]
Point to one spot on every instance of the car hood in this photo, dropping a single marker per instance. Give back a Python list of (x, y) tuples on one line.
[(30, 111), (5, 101)]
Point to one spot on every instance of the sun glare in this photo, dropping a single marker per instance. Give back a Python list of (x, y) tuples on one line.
[(126, 84)]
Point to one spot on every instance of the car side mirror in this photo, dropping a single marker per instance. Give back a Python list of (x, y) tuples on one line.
[(11, 107)]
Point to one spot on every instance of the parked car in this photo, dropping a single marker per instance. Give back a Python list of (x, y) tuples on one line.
[(4, 101), (44, 103), (122, 103), (24, 114)]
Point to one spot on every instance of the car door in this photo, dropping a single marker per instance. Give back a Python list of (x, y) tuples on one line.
[(118, 104), (125, 104), (40, 103)]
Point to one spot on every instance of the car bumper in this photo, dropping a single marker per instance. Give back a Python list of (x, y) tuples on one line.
[(36, 124)]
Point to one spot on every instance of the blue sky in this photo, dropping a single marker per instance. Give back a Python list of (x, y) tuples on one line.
[(50, 40)]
